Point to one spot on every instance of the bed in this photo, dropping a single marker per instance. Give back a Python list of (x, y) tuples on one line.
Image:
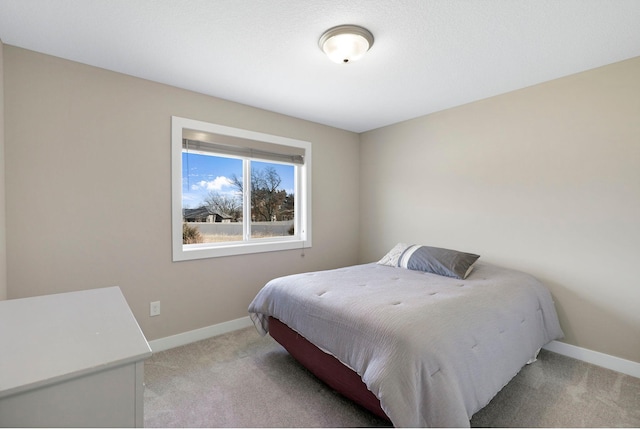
[(430, 349)]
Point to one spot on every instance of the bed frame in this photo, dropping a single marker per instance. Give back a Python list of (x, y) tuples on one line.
[(325, 367)]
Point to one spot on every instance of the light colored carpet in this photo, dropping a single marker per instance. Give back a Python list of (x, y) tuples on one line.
[(243, 380)]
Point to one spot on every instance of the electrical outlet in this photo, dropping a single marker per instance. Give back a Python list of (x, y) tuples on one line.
[(154, 309)]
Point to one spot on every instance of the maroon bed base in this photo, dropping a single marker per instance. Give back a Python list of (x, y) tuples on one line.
[(326, 367)]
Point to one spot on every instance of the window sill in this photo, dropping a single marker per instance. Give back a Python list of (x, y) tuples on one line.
[(198, 251)]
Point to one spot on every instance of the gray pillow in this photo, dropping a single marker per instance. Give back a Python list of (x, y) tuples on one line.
[(440, 261)]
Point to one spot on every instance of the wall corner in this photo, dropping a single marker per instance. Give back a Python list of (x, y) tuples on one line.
[(3, 224)]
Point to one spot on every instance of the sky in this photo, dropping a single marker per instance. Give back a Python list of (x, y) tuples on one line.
[(202, 174)]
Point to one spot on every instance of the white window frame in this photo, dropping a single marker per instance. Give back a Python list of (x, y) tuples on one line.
[(302, 237)]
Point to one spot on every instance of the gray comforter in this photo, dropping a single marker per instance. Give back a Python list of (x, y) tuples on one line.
[(433, 349)]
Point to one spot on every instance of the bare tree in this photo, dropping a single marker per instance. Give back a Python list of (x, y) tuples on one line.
[(267, 201), (224, 204)]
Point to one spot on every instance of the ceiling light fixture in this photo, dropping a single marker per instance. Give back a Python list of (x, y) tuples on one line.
[(346, 43)]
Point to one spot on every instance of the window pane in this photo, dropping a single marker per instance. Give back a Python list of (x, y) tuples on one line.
[(215, 158), (272, 199), (211, 198)]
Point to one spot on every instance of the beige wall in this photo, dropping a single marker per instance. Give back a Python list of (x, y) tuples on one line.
[(3, 228), (545, 179), (89, 193)]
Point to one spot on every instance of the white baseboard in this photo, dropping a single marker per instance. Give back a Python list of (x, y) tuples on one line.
[(199, 334), (610, 362), (617, 364)]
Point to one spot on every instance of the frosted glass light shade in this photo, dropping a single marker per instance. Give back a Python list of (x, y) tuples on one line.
[(346, 43)]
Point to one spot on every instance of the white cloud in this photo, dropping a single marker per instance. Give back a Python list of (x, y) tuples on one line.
[(216, 185)]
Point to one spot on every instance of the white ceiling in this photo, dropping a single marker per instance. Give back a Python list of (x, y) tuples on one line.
[(428, 55)]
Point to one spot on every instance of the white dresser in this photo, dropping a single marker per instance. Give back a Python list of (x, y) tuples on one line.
[(71, 360)]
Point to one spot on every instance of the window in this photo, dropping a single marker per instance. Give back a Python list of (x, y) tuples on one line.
[(236, 191)]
